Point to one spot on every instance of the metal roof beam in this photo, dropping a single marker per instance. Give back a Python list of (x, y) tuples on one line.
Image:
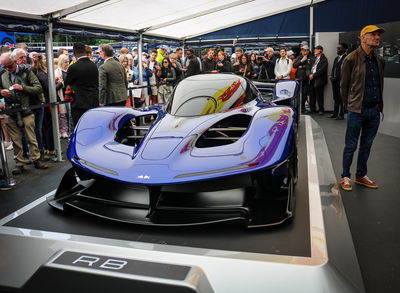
[(76, 8), (21, 15)]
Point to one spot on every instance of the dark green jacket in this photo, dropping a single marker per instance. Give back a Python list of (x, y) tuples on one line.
[(31, 87), (113, 84)]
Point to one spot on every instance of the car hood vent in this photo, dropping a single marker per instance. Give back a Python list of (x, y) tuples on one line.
[(225, 131)]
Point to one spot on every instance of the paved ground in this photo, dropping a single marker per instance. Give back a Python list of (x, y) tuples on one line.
[(42, 180)]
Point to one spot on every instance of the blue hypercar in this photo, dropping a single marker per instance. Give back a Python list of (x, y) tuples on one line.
[(220, 150)]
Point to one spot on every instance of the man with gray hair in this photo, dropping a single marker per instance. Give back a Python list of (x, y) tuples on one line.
[(18, 84), (26, 48), (4, 49), (113, 84), (20, 56), (269, 62)]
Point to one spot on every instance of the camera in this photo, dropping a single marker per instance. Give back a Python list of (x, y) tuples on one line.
[(260, 58), (20, 122)]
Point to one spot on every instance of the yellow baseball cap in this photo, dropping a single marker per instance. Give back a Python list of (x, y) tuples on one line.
[(370, 29)]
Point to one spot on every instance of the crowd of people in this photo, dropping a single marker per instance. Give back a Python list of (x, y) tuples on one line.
[(107, 78), (162, 70)]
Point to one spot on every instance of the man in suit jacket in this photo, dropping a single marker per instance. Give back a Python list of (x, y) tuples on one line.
[(335, 79), (318, 76), (113, 84), (83, 78)]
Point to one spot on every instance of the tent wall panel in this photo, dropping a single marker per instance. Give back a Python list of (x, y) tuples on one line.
[(350, 15), (291, 23)]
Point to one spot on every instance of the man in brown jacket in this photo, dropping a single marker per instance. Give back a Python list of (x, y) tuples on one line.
[(361, 89)]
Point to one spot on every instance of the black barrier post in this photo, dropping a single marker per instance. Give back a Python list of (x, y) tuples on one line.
[(52, 89)]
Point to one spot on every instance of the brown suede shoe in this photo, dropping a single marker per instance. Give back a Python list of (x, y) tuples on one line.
[(366, 182), (345, 183), (40, 165)]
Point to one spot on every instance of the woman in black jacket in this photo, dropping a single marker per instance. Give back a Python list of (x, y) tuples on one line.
[(177, 66), (167, 77), (244, 68), (256, 66)]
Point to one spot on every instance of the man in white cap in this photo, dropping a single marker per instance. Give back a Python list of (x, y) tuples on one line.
[(302, 63), (362, 93)]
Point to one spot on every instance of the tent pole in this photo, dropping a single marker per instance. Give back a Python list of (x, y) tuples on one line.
[(52, 89), (140, 49), (183, 50), (311, 24)]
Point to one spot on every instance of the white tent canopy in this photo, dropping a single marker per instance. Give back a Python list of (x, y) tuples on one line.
[(167, 18)]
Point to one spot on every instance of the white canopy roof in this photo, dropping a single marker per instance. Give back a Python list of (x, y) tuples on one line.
[(169, 18)]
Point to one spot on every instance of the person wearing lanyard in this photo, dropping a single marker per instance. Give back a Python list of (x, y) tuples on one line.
[(318, 77)]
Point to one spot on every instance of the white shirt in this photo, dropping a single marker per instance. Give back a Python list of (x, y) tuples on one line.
[(314, 67), (82, 57), (283, 67), (152, 79)]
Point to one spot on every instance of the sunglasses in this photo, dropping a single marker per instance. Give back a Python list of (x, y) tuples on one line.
[(9, 66)]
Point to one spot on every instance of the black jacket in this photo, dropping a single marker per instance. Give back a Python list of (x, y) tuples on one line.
[(270, 68), (83, 76), (207, 65), (321, 74), (193, 67), (302, 67), (227, 66), (336, 69)]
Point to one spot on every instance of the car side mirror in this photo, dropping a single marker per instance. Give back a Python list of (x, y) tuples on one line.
[(285, 90)]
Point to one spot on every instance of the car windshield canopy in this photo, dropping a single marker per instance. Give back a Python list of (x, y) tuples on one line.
[(209, 93)]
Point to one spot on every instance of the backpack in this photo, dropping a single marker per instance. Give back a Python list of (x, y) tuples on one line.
[(287, 60)]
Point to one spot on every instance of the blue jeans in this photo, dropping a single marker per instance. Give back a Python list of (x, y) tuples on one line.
[(365, 123)]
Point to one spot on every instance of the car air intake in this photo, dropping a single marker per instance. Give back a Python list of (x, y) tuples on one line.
[(225, 131), (134, 130)]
